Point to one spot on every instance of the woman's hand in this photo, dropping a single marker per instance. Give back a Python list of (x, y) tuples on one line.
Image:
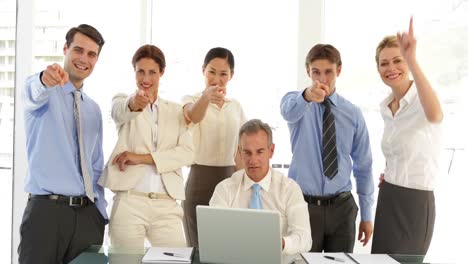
[(407, 43), (214, 94), (126, 158)]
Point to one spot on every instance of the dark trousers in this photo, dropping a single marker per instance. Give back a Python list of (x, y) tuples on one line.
[(333, 225), (54, 232), (404, 220), (200, 186)]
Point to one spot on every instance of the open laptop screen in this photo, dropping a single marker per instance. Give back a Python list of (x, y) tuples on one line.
[(232, 235)]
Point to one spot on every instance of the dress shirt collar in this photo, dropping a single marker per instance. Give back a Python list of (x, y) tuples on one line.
[(70, 88), (333, 98), (405, 100), (264, 183), (149, 107)]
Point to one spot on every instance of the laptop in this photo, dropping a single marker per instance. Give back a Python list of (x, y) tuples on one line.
[(233, 236)]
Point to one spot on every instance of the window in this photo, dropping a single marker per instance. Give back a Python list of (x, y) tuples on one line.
[(262, 48), (11, 76)]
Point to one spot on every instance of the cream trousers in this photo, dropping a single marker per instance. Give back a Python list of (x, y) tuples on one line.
[(134, 218)]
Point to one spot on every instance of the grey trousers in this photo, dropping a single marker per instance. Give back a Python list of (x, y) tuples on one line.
[(200, 186), (404, 220), (333, 226), (53, 232)]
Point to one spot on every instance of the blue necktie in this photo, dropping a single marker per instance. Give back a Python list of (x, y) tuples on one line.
[(255, 202)]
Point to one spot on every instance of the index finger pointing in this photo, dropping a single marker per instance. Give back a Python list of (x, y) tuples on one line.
[(325, 88), (410, 30)]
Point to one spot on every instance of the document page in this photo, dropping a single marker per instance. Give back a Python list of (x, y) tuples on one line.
[(336, 258), (373, 258)]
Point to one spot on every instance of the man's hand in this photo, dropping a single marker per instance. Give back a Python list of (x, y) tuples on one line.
[(54, 75), (366, 229), (126, 158), (139, 101), (317, 92), (214, 94)]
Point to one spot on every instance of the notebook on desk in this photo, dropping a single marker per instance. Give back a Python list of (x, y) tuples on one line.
[(168, 255), (228, 235)]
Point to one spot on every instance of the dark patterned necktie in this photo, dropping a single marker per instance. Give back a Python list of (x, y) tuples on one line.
[(329, 155)]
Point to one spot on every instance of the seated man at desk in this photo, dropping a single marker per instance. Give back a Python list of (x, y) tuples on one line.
[(258, 186)]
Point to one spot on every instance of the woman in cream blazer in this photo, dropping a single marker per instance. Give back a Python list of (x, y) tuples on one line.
[(144, 170)]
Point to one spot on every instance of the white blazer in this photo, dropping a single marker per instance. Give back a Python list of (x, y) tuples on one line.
[(174, 146)]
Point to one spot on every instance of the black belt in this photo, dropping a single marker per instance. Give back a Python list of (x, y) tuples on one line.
[(326, 200), (74, 201)]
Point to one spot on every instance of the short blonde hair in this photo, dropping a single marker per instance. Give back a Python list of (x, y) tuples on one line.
[(387, 42)]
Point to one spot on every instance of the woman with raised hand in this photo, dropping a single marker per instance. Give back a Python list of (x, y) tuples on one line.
[(411, 144), (215, 120)]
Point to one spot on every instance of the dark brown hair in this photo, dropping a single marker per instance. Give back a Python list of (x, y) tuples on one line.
[(150, 52), (323, 51), (88, 31)]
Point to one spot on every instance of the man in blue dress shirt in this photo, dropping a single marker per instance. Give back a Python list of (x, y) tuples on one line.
[(63, 217), (332, 209)]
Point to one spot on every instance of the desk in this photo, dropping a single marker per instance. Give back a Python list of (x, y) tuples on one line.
[(109, 255)]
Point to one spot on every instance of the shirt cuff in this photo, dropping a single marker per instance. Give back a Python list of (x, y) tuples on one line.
[(40, 78), (37, 87), (301, 101), (366, 214), (288, 247)]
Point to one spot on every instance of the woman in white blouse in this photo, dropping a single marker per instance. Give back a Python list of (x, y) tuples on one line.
[(411, 145), (215, 121)]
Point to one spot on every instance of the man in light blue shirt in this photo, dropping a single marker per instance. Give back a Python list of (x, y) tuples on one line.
[(63, 217), (332, 208)]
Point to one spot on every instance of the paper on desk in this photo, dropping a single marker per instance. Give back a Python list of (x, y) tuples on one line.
[(373, 259), (319, 258), (155, 255)]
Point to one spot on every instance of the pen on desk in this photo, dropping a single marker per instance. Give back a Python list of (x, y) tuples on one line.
[(351, 258), (174, 255), (334, 258)]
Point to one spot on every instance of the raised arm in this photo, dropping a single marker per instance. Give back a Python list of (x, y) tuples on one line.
[(294, 104), (122, 110), (427, 96), (39, 86), (194, 112)]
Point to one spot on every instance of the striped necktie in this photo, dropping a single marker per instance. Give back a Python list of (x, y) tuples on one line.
[(255, 202), (84, 169), (329, 154)]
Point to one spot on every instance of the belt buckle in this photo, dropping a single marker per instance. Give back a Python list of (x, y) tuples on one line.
[(71, 201), (152, 195)]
